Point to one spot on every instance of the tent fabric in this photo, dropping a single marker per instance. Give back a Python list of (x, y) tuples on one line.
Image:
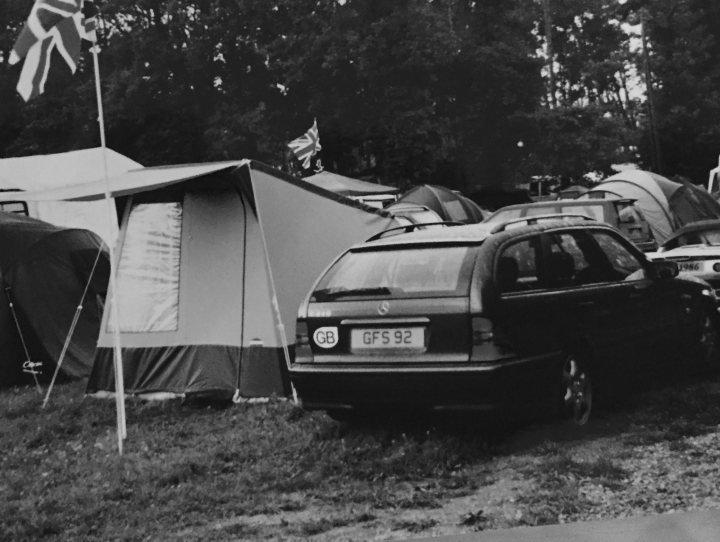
[(348, 186), (45, 172), (252, 240), (666, 204), (44, 271), (449, 205), (41, 172), (130, 182)]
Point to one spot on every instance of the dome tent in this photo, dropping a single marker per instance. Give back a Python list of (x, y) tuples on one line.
[(448, 204), (666, 204), (44, 270)]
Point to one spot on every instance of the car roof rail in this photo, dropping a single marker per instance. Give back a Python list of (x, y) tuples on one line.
[(411, 227), (530, 220)]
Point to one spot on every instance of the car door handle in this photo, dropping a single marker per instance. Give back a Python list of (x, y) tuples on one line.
[(586, 304)]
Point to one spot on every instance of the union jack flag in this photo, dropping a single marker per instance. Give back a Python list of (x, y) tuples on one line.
[(44, 16), (307, 145), (53, 25)]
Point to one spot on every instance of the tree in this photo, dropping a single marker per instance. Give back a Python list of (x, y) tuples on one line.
[(684, 43)]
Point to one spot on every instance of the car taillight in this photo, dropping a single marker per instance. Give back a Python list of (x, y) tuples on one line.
[(301, 334), (482, 330), (489, 343), (303, 352)]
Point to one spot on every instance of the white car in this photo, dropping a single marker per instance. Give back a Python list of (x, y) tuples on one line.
[(695, 248)]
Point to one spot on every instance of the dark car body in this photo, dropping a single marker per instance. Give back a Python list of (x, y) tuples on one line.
[(487, 317), (622, 213)]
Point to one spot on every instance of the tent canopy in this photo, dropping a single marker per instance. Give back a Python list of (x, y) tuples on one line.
[(49, 171), (666, 204), (449, 205), (213, 262), (348, 186), (44, 171), (44, 270)]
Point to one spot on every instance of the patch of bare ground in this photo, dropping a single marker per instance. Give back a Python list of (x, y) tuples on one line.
[(660, 456)]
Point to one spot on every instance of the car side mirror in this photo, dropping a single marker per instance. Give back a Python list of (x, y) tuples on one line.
[(663, 270)]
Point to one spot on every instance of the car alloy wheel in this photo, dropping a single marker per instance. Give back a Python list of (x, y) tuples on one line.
[(577, 390)]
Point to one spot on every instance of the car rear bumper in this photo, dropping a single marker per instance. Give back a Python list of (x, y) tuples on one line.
[(512, 384)]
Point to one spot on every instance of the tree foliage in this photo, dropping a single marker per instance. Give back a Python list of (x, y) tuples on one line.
[(406, 92)]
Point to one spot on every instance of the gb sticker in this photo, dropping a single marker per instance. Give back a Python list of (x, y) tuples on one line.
[(326, 337)]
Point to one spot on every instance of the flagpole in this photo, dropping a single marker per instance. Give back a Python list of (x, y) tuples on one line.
[(114, 313)]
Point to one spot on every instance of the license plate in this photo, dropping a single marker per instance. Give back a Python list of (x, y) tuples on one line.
[(396, 338), (689, 266)]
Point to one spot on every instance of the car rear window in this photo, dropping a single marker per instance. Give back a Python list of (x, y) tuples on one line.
[(442, 271)]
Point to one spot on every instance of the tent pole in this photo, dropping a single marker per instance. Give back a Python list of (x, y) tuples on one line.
[(114, 312)]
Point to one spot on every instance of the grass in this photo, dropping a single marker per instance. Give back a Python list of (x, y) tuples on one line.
[(238, 473)]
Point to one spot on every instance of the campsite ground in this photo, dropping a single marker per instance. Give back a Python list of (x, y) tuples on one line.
[(271, 471)]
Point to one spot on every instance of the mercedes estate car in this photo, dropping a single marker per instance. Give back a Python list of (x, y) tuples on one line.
[(512, 316)]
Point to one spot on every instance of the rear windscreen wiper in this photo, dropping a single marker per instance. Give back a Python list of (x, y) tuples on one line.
[(335, 293)]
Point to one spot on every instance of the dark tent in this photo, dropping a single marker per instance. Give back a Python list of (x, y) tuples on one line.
[(448, 204), (44, 270)]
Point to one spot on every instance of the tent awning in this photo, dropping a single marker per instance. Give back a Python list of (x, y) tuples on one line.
[(45, 171), (130, 182)]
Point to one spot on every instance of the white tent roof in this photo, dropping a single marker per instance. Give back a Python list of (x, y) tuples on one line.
[(45, 171), (129, 182)]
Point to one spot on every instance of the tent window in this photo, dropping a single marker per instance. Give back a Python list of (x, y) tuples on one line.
[(149, 270)]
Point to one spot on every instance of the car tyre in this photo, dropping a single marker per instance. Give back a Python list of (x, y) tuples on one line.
[(709, 344), (576, 389)]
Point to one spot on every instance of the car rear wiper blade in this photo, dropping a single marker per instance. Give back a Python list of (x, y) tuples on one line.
[(335, 293)]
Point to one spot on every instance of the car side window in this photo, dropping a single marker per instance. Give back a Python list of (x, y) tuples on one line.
[(516, 268), (566, 258), (624, 263), (575, 261)]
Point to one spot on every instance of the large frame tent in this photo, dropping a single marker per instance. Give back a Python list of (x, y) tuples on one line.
[(213, 261)]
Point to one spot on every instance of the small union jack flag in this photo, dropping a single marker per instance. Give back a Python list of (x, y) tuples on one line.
[(53, 25), (44, 16), (307, 145)]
